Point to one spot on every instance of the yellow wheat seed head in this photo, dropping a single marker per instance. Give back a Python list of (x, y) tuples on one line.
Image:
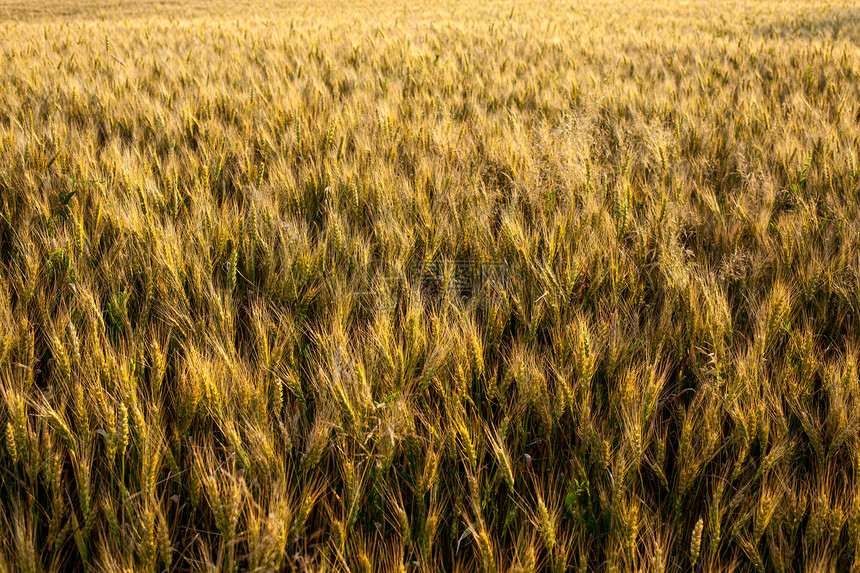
[(10, 443), (696, 542)]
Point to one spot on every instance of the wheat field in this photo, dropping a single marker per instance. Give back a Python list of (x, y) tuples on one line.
[(429, 286)]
